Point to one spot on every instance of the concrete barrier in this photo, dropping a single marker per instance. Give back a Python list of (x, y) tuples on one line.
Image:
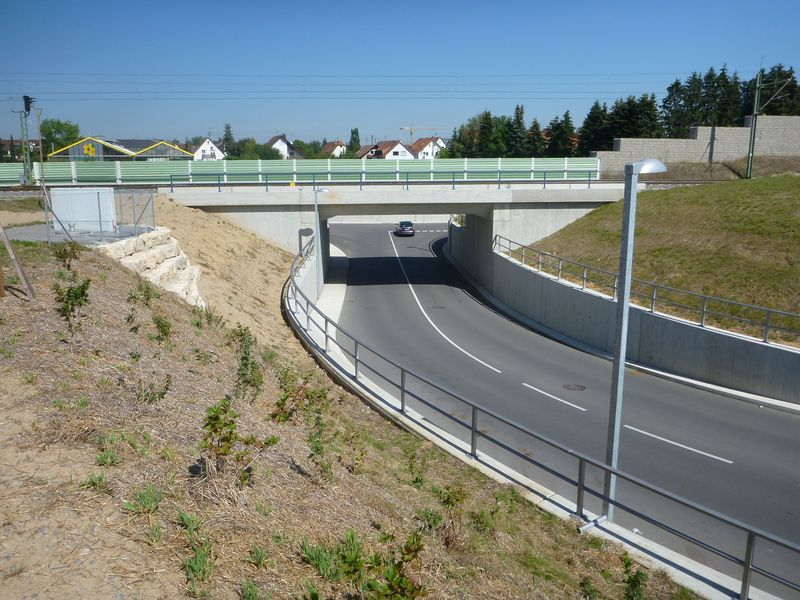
[(656, 341)]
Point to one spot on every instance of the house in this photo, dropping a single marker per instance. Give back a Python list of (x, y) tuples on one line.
[(208, 150), (428, 147), (284, 146), (333, 149), (388, 149)]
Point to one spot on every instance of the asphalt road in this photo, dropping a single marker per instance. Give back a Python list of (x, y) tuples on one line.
[(740, 459)]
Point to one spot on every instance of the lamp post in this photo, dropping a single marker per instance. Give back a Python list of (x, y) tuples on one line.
[(632, 172), (318, 239)]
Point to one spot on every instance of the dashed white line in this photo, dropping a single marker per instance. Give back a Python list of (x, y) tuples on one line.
[(665, 440), (535, 389), (439, 331)]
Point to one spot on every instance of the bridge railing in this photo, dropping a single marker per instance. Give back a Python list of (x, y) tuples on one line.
[(518, 453), (766, 324)]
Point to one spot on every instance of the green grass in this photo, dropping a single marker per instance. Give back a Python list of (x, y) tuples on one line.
[(735, 240), (22, 205)]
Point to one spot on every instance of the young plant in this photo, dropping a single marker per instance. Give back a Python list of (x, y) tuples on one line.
[(150, 394), (144, 292), (163, 328), (69, 299), (416, 467), (154, 534), (108, 458), (635, 580), (96, 482), (249, 590), (220, 432), (451, 498), (65, 252), (257, 556), (146, 500), (249, 376), (317, 447)]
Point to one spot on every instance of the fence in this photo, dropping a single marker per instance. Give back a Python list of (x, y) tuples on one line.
[(255, 172), (509, 448), (766, 324)]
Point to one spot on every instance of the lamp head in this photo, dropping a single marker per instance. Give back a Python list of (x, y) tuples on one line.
[(648, 165)]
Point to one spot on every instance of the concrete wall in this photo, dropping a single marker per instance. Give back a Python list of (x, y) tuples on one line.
[(654, 341), (775, 136)]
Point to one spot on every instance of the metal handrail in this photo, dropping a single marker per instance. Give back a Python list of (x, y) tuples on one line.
[(294, 294), (651, 298)]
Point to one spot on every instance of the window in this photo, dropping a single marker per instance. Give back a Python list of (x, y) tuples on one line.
[(395, 153)]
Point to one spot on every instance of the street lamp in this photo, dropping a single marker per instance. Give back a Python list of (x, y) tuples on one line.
[(632, 172), (318, 239)]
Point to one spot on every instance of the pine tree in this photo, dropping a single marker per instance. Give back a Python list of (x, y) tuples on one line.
[(485, 135), (355, 141), (562, 137), (729, 99), (537, 144), (594, 134), (517, 143), (673, 114), (228, 141), (648, 117)]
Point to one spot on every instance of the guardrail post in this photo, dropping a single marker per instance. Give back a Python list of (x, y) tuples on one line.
[(560, 266), (454, 181), (219, 183), (266, 182), (406, 180), (703, 312), (171, 189), (653, 300), (523, 256), (589, 183), (403, 391), (766, 325), (538, 261), (473, 442), (356, 357), (581, 487), (583, 285), (616, 284), (313, 181), (361, 181), (545, 181), (498, 179), (748, 565)]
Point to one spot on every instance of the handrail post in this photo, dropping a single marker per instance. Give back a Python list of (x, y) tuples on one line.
[(171, 189), (266, 182), (583, 285), (406, 180), (498, 179), (581, 487), (219, 183), (589, 182), (454, 181), (703, 312), (308, 317), (653, 299), (538, 261), (402, 391), (616, 284), (313, 181), (356, 356), (361, 181), (766, 325), (473, 442), (326, 333), (560, 266), (748, 565), (523, 256), (545, 181)]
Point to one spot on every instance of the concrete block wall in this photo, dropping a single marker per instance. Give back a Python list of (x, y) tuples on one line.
[(775, 136), (654, 341)]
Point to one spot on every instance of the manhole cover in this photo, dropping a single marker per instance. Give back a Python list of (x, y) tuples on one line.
[(574, 387), (439, 306)]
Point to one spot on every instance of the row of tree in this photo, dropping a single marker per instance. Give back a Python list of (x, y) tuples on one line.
[(716, 98)]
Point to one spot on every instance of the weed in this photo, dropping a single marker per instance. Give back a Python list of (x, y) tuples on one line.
[(588, 591), (30, 378), (189, 522), (203, 356), (108, 458), (144, 292), (154, 534), (163, 328), (482, 521), (269, 356), (70, 298), (65, 252), (249, 376), (60, 404), (595, 542), (82, 402), (310, 593), (105, 381), (279, 538), (249, 590), (635, 580), (316, 445), (168, 454), (451, 498), (146, 500), (97, 482), (206, 317), (416, 467), (200, 565), (150, 394), (263, 510), (257, 556), (135, 356), (429, 519)]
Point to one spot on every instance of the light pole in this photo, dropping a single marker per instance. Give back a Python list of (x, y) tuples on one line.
[(318, 239), (632, 172)]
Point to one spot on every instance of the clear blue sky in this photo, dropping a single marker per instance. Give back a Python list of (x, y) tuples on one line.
[(315, 69)]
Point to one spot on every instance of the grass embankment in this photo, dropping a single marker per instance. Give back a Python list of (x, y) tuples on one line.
[(763, 166), (21, 211), (123, 474), (736, 240)]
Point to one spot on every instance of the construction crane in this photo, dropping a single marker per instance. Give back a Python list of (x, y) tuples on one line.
[(411, 129)]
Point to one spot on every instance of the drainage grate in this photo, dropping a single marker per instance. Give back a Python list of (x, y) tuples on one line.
[(574, 387)]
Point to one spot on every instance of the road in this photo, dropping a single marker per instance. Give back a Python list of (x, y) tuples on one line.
[(404, 299)]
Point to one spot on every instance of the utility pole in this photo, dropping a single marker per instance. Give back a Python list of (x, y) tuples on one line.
[(26, 143), (753, 119)]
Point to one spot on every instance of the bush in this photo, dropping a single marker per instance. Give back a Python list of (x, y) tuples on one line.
[(65, 252), (70, 298)]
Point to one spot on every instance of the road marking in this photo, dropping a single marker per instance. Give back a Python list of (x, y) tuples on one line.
[(529, 386), (439, 331), (658, 437)]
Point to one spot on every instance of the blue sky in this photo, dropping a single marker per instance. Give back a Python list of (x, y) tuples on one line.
[(316, 69)]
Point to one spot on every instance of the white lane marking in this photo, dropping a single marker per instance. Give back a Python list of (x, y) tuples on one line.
[(535, 389), (658, 437), (439, 331)]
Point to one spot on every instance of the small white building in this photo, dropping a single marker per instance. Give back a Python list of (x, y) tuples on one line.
[(333, 149), (428, 147), (208, 151), (284, 146), (387, 149)]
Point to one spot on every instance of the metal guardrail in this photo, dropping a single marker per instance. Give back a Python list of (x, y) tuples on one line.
[(766, 324), (310, 323), (404, 178)]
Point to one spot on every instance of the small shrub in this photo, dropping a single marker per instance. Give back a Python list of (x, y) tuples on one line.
[(206, 317), (146, 500), (97, 482), (416, 467), (257, 556), (249, 376), (65, 252), (451, 498), (150, 394), (220, 431), (635, 580), (70, 298), (588, 591), (317, 447), (163, 328), (482, 521), (144, 292), (429, 519)]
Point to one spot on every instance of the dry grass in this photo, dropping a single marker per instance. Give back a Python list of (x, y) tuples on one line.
[(65, 400)]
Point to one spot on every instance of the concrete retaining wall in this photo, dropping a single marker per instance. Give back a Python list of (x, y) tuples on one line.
[(775, 136), (654, 341)]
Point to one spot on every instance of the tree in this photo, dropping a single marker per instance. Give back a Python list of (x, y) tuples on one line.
[(228, 142), (780, 94), (355, 141), (594, 133), (537, 144), (517, 142), (56, 134), (311, 149), (562, 137)]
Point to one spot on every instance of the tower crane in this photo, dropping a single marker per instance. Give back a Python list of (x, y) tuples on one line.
[(411, 129)]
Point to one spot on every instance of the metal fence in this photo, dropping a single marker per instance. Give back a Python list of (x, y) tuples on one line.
[(255, 172), (767, 324), (134, 214), (521, 454)]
